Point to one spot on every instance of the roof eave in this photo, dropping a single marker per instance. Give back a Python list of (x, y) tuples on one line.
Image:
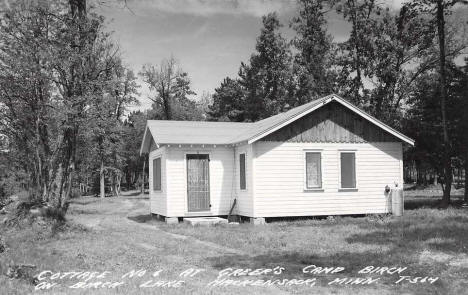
[(143, 142)]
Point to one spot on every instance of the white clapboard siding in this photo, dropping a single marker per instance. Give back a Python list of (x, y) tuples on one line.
[(221, 179), (244, 204), (279, 179), (158, 199)]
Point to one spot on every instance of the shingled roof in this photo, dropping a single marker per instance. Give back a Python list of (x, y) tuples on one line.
[(218, 133)]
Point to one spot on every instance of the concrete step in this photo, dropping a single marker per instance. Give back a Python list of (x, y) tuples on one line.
[(205, 220)]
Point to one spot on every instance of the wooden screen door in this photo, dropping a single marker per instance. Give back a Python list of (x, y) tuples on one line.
[(198, 182)]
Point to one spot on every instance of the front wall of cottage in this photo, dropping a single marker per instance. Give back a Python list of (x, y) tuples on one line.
[(244, 197), (221, 179), (158, 199), (280, 177)]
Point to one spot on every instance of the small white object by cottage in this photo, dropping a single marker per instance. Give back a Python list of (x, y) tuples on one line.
[(326, 157)]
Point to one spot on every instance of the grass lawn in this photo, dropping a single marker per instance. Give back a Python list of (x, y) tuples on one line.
[(117, 235)]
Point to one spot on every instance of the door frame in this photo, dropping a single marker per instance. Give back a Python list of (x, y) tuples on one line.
[(197, 152)]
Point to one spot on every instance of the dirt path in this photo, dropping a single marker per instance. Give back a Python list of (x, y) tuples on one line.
[(131, 210)]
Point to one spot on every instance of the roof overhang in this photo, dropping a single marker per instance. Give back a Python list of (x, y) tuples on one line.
[(146, 142), (148, 139), (327, 100)]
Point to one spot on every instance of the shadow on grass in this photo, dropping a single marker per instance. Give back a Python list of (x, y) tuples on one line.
[(307, 220), (406, 240), (131, 193), (84, 202), (295, 262), (450, 234), (144, 218), (84, 211), (418, 202), (138, 198)]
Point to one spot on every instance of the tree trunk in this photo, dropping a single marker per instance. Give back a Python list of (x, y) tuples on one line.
[(465, 199), (102, 179), (143, 178), (167, 107), (118, 178), (447, 169), (112, 185), (77, 7)]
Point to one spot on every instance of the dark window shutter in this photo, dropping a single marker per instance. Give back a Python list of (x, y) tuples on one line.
[(243, 184), (157, 174), (348, 170)]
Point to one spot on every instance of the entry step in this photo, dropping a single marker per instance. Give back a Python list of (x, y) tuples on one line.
[(205, 220)]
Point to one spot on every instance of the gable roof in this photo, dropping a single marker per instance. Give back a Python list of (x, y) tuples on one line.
[(203, 132)]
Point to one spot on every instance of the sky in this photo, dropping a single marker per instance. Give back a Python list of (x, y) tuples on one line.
[(209, 38)]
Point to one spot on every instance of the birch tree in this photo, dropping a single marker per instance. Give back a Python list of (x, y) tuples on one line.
[(55, 58)]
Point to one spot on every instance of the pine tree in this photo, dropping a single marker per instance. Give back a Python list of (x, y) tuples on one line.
[(315, 52), (267, 78)]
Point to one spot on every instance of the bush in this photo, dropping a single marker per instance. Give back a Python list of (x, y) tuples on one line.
[(54, 213)]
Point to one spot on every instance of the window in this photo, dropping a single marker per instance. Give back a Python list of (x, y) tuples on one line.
[(157, 174), (242, 181), (348, 169), (313, 170)]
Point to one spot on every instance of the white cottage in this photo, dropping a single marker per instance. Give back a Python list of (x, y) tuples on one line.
[(326, 157)]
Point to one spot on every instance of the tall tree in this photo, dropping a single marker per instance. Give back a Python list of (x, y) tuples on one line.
[(355, 52), (438, 9), (133, 130), (171, 86), (55, 56), (105, 126), (315, 53), (203, 104), (458, 118), (267, 78), (228, 102), (402, 52)]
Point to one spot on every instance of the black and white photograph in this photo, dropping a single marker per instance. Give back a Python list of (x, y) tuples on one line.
[(233, 147)]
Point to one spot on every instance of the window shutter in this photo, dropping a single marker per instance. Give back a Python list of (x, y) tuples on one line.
[(157, 174), (348, 170), (242, 180)]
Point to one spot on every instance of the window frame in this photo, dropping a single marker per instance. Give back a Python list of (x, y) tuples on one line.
[(318, 188), (355, 188), (160, 174), (245, 172)]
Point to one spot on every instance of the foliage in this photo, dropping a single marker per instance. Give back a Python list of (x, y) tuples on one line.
[(264, 86), (228, 102), (172, 88), (313, 63), (386, 66), (59, 67), (65, 125)]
